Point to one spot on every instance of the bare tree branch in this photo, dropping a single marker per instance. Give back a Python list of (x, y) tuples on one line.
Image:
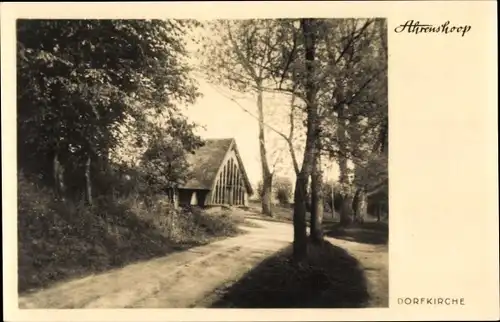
[(289, 59), (242, 59), (248, 112)]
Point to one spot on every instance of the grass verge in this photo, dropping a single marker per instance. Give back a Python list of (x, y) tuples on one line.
[(376, 233), (63, 240)]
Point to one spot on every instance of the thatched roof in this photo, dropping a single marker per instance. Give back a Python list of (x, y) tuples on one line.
[(206, 162)]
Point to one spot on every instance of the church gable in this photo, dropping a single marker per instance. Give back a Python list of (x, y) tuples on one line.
[(230, 183), (205, 163), (217, 169)]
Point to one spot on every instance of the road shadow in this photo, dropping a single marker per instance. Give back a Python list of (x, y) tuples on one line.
[(330, 278), (375, 233)]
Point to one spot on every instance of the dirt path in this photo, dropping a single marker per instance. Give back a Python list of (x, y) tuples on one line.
[(182, 279)]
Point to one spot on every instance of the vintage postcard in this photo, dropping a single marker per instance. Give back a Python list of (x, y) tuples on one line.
[(238, 161)]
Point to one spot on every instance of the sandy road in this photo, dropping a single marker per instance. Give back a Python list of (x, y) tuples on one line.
[(181, 280), (173, 281)]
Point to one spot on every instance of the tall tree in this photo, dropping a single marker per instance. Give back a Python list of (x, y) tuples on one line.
[(343, 89), (317, 198), (371, 174), (310, 85), (81, 83), (358, 102)]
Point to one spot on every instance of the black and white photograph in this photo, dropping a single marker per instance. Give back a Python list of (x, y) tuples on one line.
[(181, 163), (230, 161)]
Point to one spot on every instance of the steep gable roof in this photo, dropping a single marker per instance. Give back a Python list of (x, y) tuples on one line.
[(206, 162)]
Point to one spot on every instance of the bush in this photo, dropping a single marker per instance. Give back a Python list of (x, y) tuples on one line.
[(283, 189), (58, 240), (260, 189)]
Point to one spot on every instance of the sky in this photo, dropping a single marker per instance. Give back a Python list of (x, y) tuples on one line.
[(222, 117), (227, 114)]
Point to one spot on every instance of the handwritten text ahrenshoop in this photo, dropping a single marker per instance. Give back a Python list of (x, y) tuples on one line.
[(412, 26)]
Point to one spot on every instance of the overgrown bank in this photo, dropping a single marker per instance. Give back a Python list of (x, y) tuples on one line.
[(60, 240)]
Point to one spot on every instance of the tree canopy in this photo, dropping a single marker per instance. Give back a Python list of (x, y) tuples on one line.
[(84, 85)]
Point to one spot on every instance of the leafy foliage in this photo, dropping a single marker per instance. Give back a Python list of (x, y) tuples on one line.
[(59, 240), (240, 53), (283, 189), (84, 85), (332, 191), (88, 90), (358, 117), (260, 188), (164, 164)]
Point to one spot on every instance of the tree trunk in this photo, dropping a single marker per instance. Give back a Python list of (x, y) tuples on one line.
[(267, 185), (294, 158), (346, 213), (317, 200), (299, 218), (333, 201), (299, 211), (359, 206), (342, 137), (267, 176), (363, 206), (88, 182), (346, 217), (379, 211), (58, 177), (308, 194), (291, 136)]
